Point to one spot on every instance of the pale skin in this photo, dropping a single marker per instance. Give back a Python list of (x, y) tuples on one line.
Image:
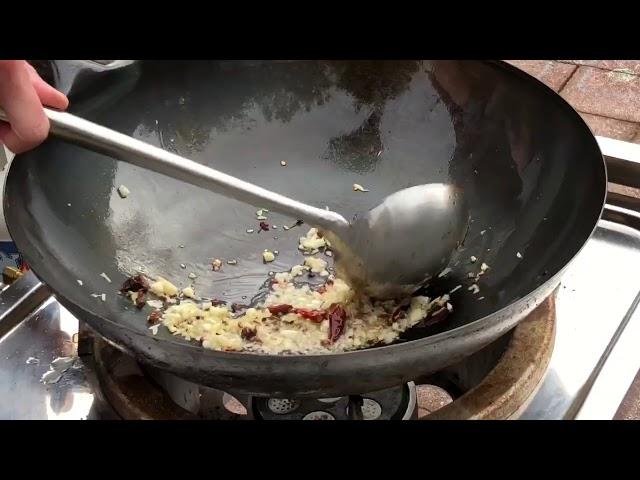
[(22, 96)]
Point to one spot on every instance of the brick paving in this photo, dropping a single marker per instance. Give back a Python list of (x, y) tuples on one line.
[(605, 92)]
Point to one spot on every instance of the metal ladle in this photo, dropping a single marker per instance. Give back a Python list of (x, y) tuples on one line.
[(388, 250)]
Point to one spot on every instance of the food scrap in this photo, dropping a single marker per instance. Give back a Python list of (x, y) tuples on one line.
[(292, 316), (188, 292), (298, 319), (283, 163), (312, 242), (316, 265), (297, 224), (359, 188), (519, 255), (474, 288), (104, 275), (157, 304), (154, 317), (264, 226), (216, 264), (262, 214), (163, 288), (268, 256), (123, 191)]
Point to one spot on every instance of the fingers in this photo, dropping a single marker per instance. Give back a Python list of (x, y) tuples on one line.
[(48, 95), (21, 103)]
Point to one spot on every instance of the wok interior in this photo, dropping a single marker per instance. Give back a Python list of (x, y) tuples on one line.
[(514, 147)]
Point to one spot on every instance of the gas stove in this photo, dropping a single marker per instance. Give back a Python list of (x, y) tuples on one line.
[(573, 358)]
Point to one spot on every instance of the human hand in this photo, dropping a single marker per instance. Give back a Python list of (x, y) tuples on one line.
[(22, 96)]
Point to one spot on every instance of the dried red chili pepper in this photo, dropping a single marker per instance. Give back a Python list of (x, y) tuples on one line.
[(337, 322), (281, 309), (141, 299), (314, 315), (154, 317), (135, 284)]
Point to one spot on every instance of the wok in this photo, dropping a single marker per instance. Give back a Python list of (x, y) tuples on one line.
[(532, 173)]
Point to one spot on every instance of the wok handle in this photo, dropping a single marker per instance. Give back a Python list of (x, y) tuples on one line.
[(123, 147)]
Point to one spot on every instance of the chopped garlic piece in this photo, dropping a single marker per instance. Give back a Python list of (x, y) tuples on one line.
[(123, 191), (189, 293), (268, 256), (474, 288), (162, 287), (359, 188), (157, 304), (316, 265), (79, 282), (519, 255), (297, 270), (104, 275), (474, 259), (312, 242)]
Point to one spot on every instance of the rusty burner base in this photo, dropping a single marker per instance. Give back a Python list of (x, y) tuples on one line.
[(494, 383)]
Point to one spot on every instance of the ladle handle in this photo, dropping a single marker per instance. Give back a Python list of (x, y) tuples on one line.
[(123, 147)]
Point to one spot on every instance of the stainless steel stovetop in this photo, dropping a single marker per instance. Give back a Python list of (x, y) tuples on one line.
[(594, 361)]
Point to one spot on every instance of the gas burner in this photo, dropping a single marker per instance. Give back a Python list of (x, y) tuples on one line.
[(392, 404), (133, 391)]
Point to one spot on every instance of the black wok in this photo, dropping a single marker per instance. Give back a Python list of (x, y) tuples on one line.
[(532, 173)]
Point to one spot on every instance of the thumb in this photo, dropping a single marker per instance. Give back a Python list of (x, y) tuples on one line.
[(48, 95)]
